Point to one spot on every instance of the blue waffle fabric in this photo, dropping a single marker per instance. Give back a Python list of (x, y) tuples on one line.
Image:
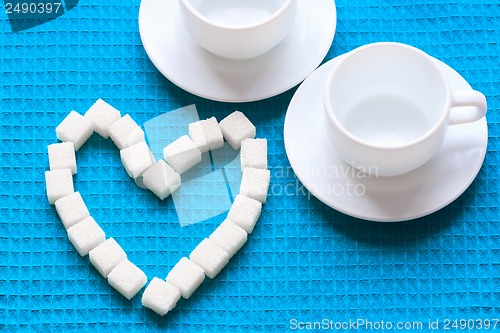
[(304, 261)]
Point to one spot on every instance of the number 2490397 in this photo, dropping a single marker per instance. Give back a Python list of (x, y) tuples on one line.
[(33, 8)]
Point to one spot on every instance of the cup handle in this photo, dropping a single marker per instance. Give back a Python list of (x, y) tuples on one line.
[(470, 98)]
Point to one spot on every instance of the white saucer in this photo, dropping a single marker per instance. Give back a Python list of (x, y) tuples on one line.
[(415, 194), (190, 67)]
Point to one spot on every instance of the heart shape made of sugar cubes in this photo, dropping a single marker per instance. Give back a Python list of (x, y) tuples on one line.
[(162, 177)]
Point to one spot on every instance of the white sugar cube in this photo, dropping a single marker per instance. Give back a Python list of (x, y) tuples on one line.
[(206, 134), (62, 156), (125, 132), (71, 209), (254, 153), (187, 276), (182, 154), (209, 256), (136, 159), (255, 183), (127, 278), (86, 235), (59, 184), (161, 179), (229, 236), (160, 296), (106, 256), (102, 115), (236, 128), (245, 212), (75, 128)]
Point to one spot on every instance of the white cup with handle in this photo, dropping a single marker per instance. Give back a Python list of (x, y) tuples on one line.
[(388, 107), (238, 29)]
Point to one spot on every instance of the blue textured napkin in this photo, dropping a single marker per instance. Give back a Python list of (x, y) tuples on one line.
[(304, 261)]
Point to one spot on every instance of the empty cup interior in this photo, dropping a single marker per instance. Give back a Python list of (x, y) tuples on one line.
[(237, 12), (388, 95)]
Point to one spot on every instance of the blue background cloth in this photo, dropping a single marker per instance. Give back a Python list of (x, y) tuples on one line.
[(304, 260)]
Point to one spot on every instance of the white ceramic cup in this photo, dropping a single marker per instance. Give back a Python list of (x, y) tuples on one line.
[(238, 29), (388, 107)]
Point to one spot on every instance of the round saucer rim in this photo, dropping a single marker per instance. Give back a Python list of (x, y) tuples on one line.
[(389, 218), (148, 49), (235, 99)]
